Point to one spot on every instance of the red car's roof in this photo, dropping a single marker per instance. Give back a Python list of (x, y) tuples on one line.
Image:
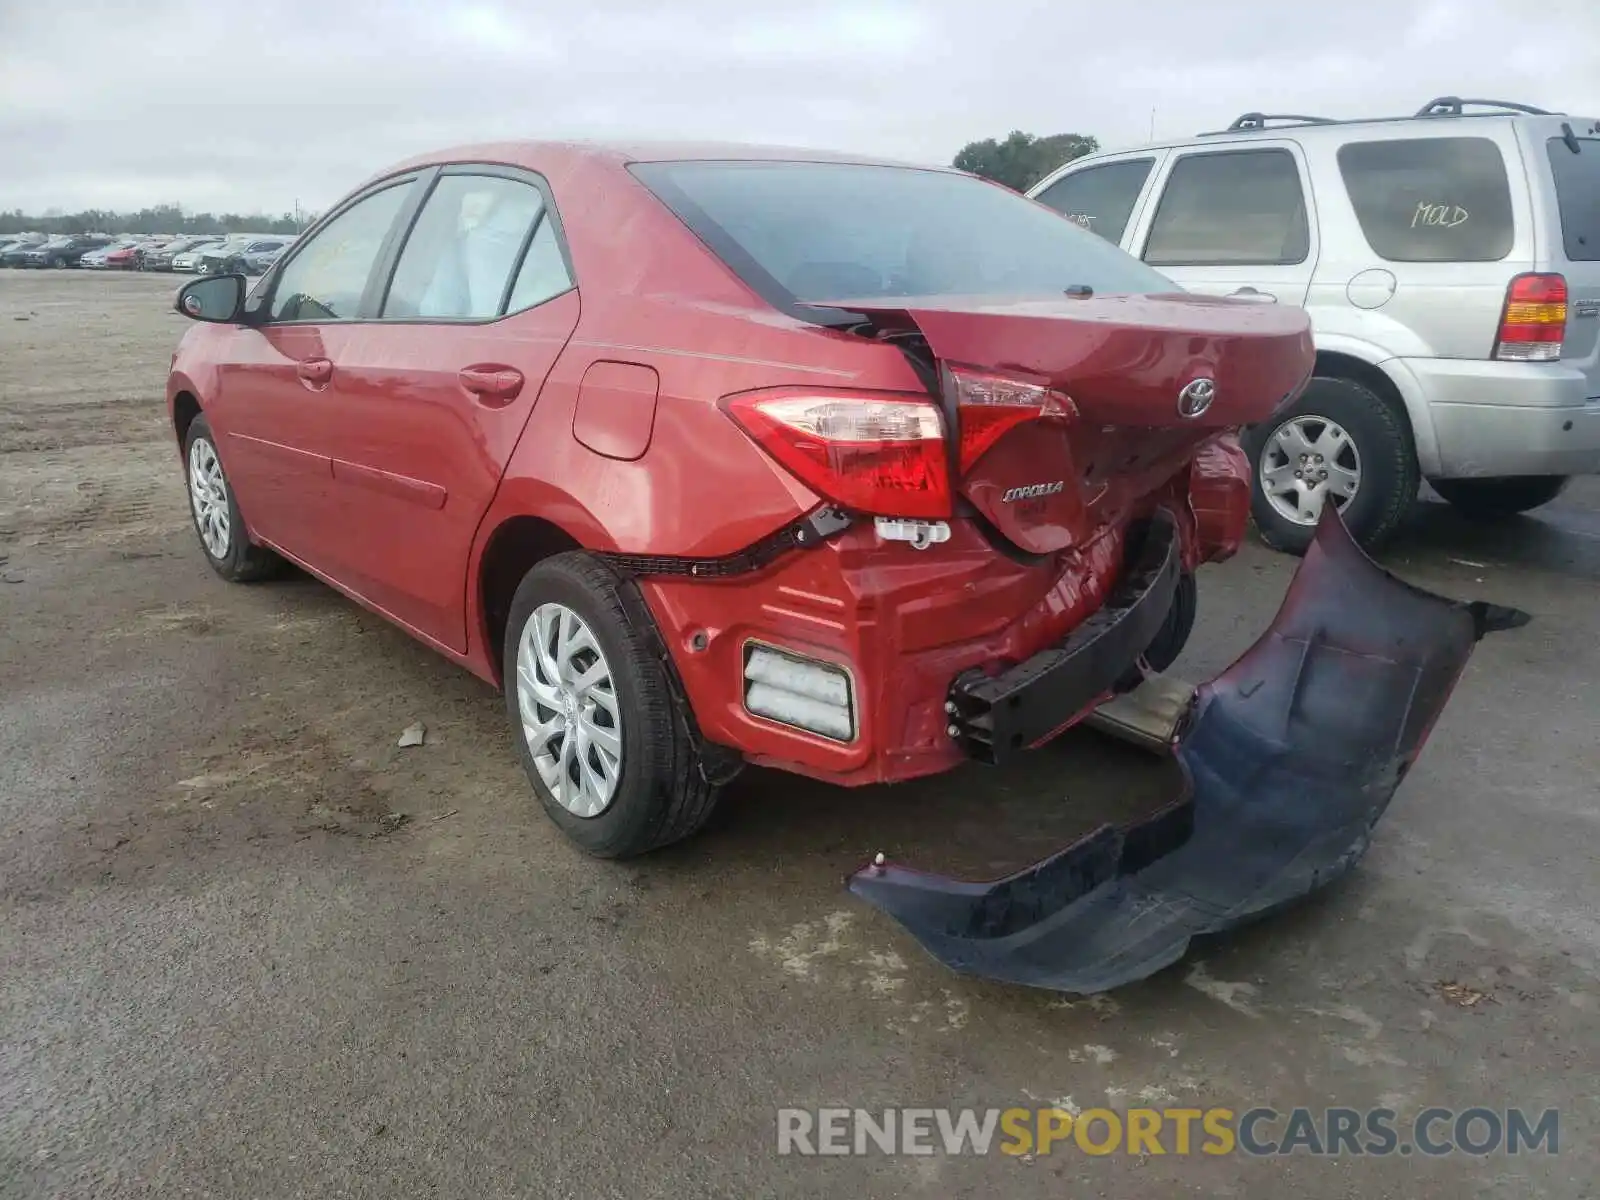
[(557, 155)]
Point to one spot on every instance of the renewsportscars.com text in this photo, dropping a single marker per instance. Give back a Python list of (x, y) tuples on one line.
[(1257, 1132)]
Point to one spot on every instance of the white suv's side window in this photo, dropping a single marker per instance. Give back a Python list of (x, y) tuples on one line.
[(1231, 208), (1430, 199), (1101, 199)]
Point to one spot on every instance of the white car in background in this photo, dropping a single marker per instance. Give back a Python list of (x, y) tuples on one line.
[(1450, 264), (189, 260)]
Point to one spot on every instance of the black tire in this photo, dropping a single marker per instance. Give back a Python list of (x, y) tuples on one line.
[(1497, 498), (243, 561), (1172, 637), (1389, 475), (56, 263), (664, 791)]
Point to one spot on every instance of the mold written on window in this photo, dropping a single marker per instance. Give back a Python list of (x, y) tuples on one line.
[(1430, 199), (1439, 216)]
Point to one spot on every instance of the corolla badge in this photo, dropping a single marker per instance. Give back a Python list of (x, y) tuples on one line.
[(1034, 491), (1196, 397)]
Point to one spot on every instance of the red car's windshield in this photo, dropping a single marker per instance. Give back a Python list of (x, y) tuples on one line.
[(805, 232)]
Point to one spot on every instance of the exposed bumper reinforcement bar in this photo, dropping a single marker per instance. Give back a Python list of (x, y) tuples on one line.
[(1290, 757), (993, 717)]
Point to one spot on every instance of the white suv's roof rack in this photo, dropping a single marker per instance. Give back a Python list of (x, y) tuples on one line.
[(1452, 106), (1443, 106)]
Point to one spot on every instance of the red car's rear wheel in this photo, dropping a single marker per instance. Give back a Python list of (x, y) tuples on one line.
[(613, 757)]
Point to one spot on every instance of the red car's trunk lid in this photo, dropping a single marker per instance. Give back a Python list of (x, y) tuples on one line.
[(1150, 378)]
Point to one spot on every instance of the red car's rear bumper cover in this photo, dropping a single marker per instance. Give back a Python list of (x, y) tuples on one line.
[(906, 624), (1289, 758)]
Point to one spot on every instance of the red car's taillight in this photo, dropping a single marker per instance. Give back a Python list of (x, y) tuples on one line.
[(882, 454), (988, 406), (1534, 322)]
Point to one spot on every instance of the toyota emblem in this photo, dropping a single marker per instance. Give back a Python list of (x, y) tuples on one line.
[(1196, 397)]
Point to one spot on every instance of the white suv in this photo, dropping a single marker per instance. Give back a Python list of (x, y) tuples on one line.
[(1450, 263)]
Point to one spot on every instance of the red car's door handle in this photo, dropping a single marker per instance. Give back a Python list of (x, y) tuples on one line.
[(314, 370), (491, 382)]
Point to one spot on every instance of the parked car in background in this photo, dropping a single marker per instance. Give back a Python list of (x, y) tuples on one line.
[(63, 251), (243, 256), (189, 260), (1450, 264), (117, 256), (955, 430), (12, 249), (259, 262), (159, 258), (128, 255)]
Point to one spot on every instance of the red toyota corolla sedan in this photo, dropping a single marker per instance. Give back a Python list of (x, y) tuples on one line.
[(715, 455)]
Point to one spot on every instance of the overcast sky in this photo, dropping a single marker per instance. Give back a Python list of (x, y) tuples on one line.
[(251, 106)]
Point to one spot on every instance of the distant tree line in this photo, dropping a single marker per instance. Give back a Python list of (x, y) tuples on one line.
[(163, 218), (1020, 160)]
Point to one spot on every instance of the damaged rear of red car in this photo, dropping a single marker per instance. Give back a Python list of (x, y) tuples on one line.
[(1013, 501)]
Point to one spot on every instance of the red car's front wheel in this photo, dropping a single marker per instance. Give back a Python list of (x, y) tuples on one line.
[(215, 509)]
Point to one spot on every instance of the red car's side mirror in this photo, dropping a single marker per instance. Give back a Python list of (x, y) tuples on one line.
[(216, 298)]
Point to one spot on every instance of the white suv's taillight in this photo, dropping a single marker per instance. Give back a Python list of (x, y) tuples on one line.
[(1534, 321)]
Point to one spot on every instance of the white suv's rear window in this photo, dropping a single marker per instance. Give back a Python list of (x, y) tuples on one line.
[(1430, 199), (1577, 179)]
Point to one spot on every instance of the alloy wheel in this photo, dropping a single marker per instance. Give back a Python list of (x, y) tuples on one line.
[(570, 716), (208, 493), (1306, 461)]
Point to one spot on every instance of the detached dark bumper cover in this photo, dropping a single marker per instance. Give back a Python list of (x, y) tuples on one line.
[(1290, 756)]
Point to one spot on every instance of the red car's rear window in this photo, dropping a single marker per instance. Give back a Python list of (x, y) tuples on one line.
[(808, 232)]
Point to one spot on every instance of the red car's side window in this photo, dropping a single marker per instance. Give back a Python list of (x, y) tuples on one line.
[(457, 262), (544, 273), (326, 278)]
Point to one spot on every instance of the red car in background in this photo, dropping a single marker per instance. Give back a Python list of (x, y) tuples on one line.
[(125, 257), (713, 455)]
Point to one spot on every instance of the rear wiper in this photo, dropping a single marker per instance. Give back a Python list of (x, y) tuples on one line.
[(1570, 138), (1078, 291)]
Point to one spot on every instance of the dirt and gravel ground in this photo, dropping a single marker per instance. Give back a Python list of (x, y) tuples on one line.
[(249, 947)]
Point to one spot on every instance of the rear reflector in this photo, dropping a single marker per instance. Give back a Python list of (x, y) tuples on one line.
[(989, 406), (880, 454), (801, 692), (1534, 322)]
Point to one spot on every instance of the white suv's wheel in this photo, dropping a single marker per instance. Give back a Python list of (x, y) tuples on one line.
[(1308, 463), (1339, 443)]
